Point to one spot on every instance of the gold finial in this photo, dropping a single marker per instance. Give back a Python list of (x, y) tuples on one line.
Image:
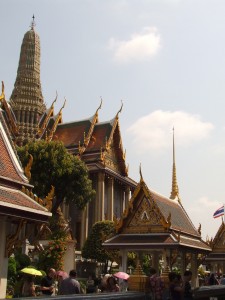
[(56, 97), (28, 167), (175, 191), (32, 23), (64, 103), (200, 228), (141, 177), (100, 106), (2, 96), (120, 108)]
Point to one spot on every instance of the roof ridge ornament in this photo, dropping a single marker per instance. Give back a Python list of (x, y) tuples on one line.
[(2, 96), (120, 108), (140, 172)]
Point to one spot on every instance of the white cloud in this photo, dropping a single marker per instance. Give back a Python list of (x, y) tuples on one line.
[(140, 47), (201, 212), (153, 132)]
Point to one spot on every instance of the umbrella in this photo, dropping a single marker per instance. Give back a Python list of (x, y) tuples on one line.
[(121, 275), (31, 271)]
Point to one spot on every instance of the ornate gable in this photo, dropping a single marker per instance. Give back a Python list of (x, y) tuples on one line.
[(143, 214), (219, 240), (114, 157)]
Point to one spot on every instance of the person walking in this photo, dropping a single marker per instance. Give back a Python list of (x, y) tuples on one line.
[(176, 287), (70, 285), (48, 283), (187, 286), (156, 285)]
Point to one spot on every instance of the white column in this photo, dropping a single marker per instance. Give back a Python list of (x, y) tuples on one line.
[(110, 199), (101, 197), (123, 263), (84, 226), (194, 269)]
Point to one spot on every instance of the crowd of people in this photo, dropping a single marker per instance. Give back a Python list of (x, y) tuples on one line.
[(179, 286), (59, 283)]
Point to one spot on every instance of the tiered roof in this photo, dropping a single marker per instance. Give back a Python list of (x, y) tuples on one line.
[(95, 142), (13, 201)]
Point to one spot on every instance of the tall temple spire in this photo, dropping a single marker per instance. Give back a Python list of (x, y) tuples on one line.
[(175, 191), (26, 100)]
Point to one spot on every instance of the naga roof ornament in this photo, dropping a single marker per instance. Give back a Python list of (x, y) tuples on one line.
[(56, 122)]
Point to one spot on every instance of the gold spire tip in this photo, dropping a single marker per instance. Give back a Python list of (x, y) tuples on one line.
[(141, 177)]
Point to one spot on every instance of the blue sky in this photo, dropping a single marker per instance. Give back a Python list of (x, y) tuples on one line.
[(165, 60)]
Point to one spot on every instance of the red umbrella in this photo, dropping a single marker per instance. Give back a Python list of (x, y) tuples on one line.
[(121, 275)]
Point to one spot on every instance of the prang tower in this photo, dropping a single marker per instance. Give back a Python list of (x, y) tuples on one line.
[(27, 100)]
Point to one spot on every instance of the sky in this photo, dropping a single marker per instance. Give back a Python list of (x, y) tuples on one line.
[(164, 59)]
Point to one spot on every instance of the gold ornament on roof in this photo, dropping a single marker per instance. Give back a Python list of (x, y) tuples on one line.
[(140, 172), (166, 222), (46, 202), (2, 96), (28, 167)]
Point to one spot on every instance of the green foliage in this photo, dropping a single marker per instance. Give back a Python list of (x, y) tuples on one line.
[(146, 261), (12, 269), (93, 248), (131, 259), (54, 166)]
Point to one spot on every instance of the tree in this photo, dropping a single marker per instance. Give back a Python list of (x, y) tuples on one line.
[(93, 248), (54, 166)]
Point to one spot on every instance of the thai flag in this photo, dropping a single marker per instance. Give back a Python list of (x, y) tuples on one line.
[(219, 212)]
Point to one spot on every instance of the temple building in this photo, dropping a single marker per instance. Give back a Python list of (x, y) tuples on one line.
[(98, 144), (215, 261), (22, 214), (146, 220), (160, 227)]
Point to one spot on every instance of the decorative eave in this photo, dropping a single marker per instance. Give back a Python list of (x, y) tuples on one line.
[(5, 106), (87, 137), (58, 120), (50, 114)]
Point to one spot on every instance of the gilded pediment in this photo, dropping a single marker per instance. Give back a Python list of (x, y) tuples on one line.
[(111, 160), (220, 242), (145, 218)]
